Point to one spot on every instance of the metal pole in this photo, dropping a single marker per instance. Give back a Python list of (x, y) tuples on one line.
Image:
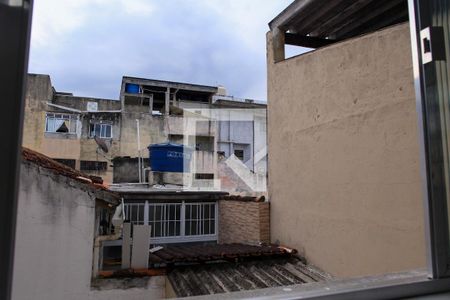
[(139, 151)]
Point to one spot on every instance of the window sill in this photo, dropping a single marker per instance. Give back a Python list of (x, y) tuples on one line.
[(61, 135), (102, 138)]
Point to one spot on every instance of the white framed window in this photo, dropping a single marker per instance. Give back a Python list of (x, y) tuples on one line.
[(61, 123), (165, 219), (200, 219), (101, 130), (134, 212), (175, 222)]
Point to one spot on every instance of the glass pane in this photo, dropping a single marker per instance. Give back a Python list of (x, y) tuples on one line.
[(141, 214), (171, 231), (50, 124), (206, 227), (152, 224), (158, 215), (133, 213), (187, 228), (102, 131), (206, 211), (171, 212), (108, 131), (151, 212), (73, 126), (188, 212), (178, 228), (91, 130), (212, 225), (212, 211), (158, 229), (193, 226), (178, 212), (97, 130), (194, 211)]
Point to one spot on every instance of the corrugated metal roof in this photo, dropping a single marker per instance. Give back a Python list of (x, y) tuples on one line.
[(233, 277)]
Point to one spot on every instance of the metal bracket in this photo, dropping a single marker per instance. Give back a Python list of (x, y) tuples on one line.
[(432, 44)]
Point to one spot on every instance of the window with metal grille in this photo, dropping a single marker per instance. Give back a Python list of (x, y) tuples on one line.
[(175, 222), (67, 162), (200, 219), (88, 165), (165, 219), (61, 123), (134, 212), (101, 130)]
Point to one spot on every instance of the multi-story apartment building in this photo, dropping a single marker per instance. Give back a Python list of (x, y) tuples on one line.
[(91, 134)]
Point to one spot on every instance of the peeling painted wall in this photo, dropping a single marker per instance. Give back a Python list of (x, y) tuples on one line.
[(344, 181)]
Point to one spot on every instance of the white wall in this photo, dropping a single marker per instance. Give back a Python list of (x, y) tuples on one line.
[(54, 241)]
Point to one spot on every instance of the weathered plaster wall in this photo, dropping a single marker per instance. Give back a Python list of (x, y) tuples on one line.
[(344, 180), (54, 242), (38, 92), (81, 102), (153, 130), (66, 146), (54, 237)]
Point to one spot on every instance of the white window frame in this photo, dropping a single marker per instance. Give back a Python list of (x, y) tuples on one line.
[(61, 116), (102, 125), (182, 236)]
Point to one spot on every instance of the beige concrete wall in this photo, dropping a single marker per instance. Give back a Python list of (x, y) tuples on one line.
[(88, 151), (344, 180), (243, 222), (153, 130), (39, 91)]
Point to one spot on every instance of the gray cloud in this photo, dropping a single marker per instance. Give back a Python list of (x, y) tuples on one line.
[(87, 46)]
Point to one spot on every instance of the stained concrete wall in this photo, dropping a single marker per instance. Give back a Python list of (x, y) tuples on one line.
[(153, 130), (344, 180), (54, 242)]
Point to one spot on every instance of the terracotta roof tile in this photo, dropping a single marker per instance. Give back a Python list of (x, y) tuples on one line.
[(60, 169), (204, 253)]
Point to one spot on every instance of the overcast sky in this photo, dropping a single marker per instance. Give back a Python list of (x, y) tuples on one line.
[(86, 46)]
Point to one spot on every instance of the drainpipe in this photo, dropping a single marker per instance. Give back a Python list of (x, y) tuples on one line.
[(117, 221)]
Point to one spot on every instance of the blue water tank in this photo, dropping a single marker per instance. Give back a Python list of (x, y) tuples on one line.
[(132, 88), (170, 157)]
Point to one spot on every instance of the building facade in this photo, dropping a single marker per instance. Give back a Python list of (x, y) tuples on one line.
[(89, 134)]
